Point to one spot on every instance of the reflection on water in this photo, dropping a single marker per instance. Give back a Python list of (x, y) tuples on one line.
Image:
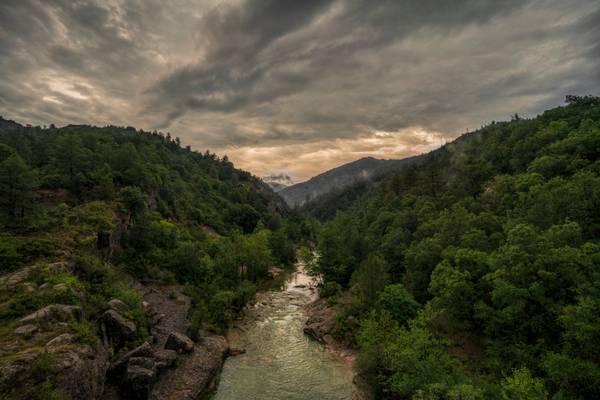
[(280, 361)]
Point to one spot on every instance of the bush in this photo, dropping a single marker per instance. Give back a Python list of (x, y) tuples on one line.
[(399, 302), (199, 316), (221, 307), (522, 386), (16, 251), (330, 290), (86, 331)]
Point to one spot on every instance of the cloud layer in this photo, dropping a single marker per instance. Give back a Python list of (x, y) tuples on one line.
[(295, 87)]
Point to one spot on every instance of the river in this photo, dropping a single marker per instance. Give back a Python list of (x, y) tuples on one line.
[(281, 363)]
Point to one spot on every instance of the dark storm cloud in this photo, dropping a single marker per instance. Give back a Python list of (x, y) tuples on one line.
[(239, 70), (295, 86)]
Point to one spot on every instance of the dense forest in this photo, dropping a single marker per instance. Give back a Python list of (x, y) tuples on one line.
[(121, 208), (475, 271)]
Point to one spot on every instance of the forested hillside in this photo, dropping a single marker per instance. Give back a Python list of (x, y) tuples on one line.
[(88, 215), (359, 172), (475, 272)]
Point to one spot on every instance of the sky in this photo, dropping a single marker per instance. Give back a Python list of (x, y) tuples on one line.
[(293, 88)]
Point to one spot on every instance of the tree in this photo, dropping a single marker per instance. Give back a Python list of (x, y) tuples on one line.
[(17, 184), (133, 199), (522, 386), (399, 302), (370, 279)]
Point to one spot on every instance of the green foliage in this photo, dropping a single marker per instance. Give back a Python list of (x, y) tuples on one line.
[(124, 203), (407, 360), (522, 386), (496, 234), (16, 251), (330, 290), (17, 184), (222, 308), (398, 302), (86, 332), (370, 278)]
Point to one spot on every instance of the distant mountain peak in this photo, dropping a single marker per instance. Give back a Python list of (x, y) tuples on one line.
[(278, 182), (363, 169)]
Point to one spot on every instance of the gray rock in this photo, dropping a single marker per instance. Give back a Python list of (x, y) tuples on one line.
[(26, 330), (15, 278), (44, 286), (14, 369), (139, 377), (61, 287), (64, 339), (118, 306), (143, 350), (165, 358), (144, 362), (179, 342), (149, 311), (29, 287), (53, 313), (79, 370), (196, 375), (116, 327)]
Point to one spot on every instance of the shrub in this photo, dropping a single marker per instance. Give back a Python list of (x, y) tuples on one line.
[(330, 290), (399, 302), (86, 331), (522, 386)]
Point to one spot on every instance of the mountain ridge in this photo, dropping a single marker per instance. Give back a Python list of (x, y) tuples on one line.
[(360, 170)]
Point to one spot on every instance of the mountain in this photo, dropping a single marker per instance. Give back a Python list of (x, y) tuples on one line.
[(479, 263), (364, 169), (102, 231), (9, 124), (278, 182)]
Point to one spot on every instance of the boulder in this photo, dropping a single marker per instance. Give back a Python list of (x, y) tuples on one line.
[(139, 377), (196, 375), (149, 311), (29, 287), (144, 362), (118, 306), (61, 287), (143, 350), (26, 330), (16, 368), (61, 340), (53, 313), (117, 328), (179, 342), (13, 279), (79, 370), (164, 358)]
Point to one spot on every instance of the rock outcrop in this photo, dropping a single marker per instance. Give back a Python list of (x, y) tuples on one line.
[(139, 377), (179, 342), (196, 374), (77, 371), (116, 329), (53, 313), (80, 370)]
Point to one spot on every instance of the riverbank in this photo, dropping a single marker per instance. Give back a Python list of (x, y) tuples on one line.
[(322, 317)]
